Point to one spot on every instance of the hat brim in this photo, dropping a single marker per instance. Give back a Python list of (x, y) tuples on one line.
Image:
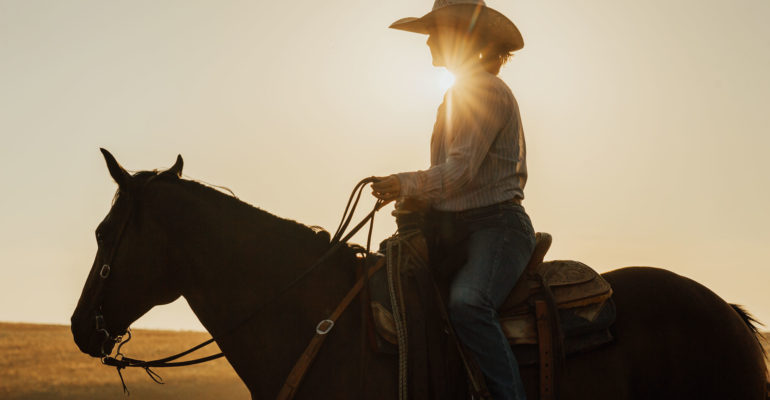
[(488, 22)]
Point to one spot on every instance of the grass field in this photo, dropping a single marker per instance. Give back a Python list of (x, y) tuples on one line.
[(42, 362)]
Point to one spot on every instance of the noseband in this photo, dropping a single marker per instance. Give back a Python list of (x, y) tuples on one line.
[(104, 273)]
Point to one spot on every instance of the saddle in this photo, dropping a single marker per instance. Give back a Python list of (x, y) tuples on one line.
[(559, 306), (581, 296)]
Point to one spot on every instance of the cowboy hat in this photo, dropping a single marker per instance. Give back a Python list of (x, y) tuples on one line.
[(473, 15)]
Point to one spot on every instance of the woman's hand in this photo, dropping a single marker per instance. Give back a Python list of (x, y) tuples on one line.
[(387, 188)]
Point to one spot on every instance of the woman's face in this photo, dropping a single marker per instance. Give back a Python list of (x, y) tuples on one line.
[(448, 48), (436, 50)]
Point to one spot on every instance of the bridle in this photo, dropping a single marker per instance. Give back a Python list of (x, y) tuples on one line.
[(120, 361), (104, 273)]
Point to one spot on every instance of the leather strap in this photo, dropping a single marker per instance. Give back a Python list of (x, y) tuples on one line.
[(478, 386), (307, 357), (545, 340)]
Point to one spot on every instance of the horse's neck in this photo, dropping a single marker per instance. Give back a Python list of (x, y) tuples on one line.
[(230, 263), (231, 268)]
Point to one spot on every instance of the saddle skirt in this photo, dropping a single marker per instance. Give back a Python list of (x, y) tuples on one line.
[(581, 295)]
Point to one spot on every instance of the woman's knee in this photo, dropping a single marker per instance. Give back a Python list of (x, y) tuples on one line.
[(467, 305)]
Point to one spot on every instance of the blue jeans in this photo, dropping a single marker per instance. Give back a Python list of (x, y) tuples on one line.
[(496, 242)]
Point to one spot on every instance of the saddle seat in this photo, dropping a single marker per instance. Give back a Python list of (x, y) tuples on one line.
[(581, 295), (573, 283)]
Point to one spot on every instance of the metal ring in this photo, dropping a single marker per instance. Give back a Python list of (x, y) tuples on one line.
[(100, 322), (322, 330), (107, 337), (105, 271)]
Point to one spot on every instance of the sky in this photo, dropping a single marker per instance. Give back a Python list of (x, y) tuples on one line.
[(647, 126)]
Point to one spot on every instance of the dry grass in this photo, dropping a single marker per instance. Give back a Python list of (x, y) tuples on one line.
[(42, 362)]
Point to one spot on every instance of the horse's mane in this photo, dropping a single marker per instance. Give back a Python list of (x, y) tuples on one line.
[(752, 323), (231, 202)]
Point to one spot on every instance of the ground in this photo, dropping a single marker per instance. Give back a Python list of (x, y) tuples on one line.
[(42, 362)]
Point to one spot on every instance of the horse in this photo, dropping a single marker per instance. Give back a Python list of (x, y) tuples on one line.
[(166, 237)]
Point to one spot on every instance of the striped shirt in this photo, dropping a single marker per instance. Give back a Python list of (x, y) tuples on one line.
[(478, 153)]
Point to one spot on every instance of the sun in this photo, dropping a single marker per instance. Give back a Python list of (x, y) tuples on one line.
[(445, 79)]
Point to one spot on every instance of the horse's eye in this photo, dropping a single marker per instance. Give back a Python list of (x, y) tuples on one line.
[(99, 237)]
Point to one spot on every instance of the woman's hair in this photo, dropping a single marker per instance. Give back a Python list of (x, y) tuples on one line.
[(491, 53), (494, 57)]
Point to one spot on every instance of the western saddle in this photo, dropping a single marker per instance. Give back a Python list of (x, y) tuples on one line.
[(557, 308)]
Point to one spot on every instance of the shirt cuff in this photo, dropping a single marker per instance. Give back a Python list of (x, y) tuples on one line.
[(408, 181)]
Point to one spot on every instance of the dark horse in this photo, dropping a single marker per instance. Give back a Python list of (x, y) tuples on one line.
[(167, 237)]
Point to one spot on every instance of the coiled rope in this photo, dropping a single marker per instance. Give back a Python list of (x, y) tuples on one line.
[(401, 253)]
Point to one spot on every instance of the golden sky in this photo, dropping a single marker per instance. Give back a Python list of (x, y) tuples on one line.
[(647, 126)]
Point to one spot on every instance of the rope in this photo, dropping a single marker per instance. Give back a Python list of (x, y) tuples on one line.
[(344, 222), (365, 308), (396, 293), (411, 256)]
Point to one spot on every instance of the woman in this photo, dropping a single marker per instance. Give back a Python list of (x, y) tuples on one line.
[(476, 180)]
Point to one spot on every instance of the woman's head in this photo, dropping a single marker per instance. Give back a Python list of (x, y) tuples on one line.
[(458, 50), (466, 33)]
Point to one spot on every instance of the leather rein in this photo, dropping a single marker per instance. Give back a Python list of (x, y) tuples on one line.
[(120, 361)]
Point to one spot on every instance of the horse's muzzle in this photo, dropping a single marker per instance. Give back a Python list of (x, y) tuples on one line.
[(90, 338)]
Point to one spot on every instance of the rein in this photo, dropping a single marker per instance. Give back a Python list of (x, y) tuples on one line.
[(120, 361)]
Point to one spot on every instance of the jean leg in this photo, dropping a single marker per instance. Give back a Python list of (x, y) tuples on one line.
[(496, 258)]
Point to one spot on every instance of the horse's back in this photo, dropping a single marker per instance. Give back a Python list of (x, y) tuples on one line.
[(674, 339), (677, 339)]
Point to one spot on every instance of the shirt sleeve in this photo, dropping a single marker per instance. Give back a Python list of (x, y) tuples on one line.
[(474, 116)]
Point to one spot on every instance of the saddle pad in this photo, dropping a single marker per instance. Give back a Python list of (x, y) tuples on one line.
[(522, 328), (383, 323), (527, 354)]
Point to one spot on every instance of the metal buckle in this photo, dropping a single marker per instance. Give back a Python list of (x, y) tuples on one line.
[(105, 271), (99, 321), (100, 328), (324, 327)]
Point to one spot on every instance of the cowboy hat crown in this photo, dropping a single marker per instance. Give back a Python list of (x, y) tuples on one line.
[(474, 15)]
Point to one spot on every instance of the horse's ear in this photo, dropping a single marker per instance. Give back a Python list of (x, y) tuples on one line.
[(176, 169), (119, 174)]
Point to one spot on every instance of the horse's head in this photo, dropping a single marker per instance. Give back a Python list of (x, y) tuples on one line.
[(130, 273)]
